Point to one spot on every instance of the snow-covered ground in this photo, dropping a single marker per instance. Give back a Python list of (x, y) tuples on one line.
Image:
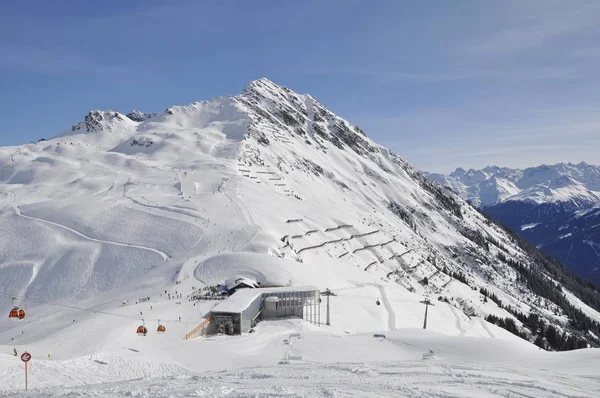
[(272, 186), (407, 363)]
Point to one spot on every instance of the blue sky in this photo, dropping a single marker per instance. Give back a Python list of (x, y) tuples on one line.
[(443, 83)]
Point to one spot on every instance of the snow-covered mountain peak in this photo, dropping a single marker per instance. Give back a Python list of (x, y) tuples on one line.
[(138, 116), (213, 128), (562, 190), (101, 128), (264, 86), (99, 120), (493, 169), (470, 176), (264, 91), (280, 114), (268, 184), (562, 182), (263, 110)]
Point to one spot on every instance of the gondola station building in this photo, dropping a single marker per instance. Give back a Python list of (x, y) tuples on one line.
[(246, 307)]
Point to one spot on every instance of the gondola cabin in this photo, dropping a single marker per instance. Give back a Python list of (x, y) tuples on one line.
[(16, 314), (141, 330), (161, 329)]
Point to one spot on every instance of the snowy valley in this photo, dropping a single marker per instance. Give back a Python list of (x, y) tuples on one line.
[(271, 185)]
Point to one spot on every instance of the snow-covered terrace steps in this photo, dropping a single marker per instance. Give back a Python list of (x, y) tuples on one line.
[(364, 249), (323, 240), (370, 250), (304, 234)]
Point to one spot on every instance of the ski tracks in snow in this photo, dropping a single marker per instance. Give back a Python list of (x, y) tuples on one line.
[(164, 255), (248, 213), (486, 327), (382, 379), (460, 325), (388, 307), (459, 322), (384, 300)]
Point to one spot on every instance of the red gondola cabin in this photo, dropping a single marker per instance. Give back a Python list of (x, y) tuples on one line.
[(16, 314), (141, 330)]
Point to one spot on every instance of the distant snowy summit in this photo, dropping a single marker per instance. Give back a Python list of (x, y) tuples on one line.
[(578, 184), (557, 207), (139, 116)]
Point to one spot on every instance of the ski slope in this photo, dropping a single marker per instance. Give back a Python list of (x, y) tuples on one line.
[(408, 363), (269, 185)]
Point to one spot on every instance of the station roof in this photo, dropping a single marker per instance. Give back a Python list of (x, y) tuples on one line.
[(238, 301), (241, 299), (287, 289)]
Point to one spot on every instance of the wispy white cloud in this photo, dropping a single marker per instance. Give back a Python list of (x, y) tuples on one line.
[(443, 139), (530, 24), (527, 91), (376, 72)]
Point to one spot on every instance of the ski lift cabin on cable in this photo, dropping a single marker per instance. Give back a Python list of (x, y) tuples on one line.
[(141, 330), (160, 329), (16, 314)]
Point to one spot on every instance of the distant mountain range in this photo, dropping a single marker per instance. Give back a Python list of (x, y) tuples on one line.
[(555, 207)]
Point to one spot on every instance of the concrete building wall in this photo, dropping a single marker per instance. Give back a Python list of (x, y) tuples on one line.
[(249, 313)]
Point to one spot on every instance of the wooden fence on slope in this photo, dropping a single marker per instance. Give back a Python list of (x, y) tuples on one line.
[(198, 328)]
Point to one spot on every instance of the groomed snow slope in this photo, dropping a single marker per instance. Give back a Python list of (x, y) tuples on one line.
[(408, 363), (268, 184)]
